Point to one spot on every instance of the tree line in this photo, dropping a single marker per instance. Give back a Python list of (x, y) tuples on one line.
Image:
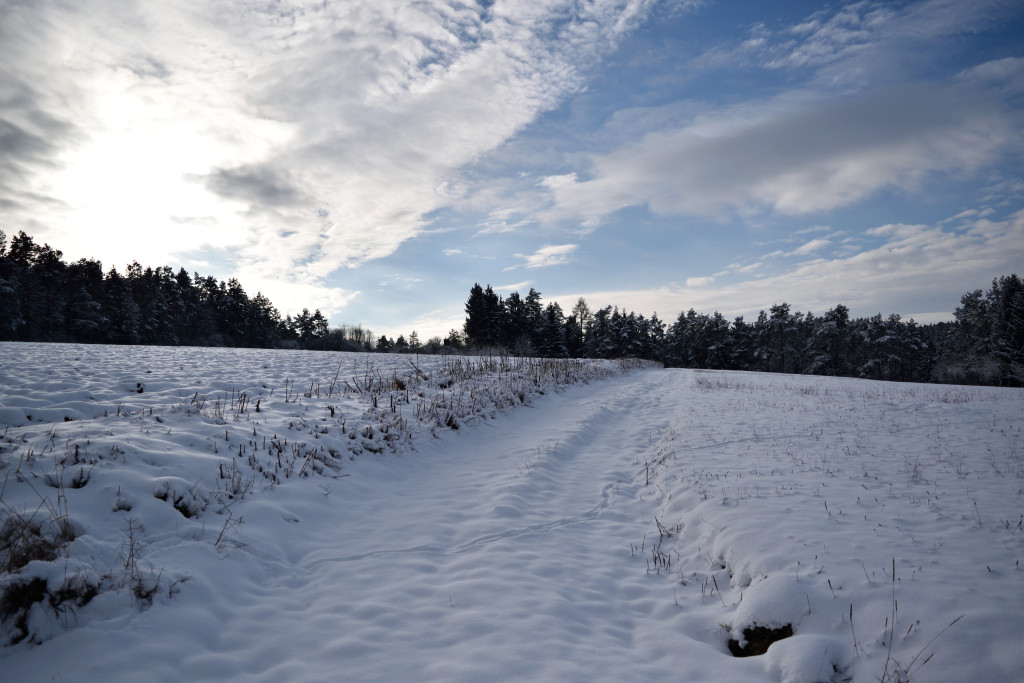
[(985, 344), (42, 298)]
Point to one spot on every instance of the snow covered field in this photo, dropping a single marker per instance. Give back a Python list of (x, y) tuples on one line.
[(253, 515)]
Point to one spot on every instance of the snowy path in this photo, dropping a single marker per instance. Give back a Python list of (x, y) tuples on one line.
[(509, 541), (502, 542), (502, 551)]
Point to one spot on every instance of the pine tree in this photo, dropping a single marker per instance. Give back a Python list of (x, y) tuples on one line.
[(121, 310), (574, 340), (780, 325), (581, 314), (486, 320), (718, 340), (655, 347), (319, 323), (42, 278), (741, 352), (553, 335), (1006, 314), (831, 343), (516, 320), (84, 316), (10, 294), (477, 326), (762, 338), (534, 318), (454, 340)]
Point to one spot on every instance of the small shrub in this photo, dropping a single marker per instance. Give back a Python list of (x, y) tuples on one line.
[(144, 588)]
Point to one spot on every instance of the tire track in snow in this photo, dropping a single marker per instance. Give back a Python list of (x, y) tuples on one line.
[(480, 541), (607, 416)]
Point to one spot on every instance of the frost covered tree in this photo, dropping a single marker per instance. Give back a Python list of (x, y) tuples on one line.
[(986, 343)]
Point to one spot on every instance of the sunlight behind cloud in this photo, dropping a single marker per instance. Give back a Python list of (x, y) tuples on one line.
[(129, 189), (306, 138)]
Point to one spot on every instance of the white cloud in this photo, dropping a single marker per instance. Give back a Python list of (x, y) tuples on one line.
[(514, 287), (803, 157), (1006, 71), (872, 41), (699, 281), (303, 137), (291, 297), (811, 247), (813, 229), (550, 255), (435, 323), (492, 226), (749, 268)]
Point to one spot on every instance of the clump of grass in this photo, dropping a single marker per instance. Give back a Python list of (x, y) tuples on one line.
[(141, 587), (190, 502), (17, 598), (38, 534), (894, 671)]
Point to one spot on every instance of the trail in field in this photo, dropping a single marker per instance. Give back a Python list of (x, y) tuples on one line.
[(503, 550)]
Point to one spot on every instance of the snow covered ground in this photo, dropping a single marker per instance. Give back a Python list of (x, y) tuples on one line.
[(495, 519)]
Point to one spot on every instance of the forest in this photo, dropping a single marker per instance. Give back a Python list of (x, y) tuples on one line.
[(984, 345), (42, 298)]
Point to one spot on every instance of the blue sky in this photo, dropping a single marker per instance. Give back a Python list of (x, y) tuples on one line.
[(375, 159)]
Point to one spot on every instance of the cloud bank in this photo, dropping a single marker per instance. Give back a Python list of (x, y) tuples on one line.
[(800, 158), (907, 261)]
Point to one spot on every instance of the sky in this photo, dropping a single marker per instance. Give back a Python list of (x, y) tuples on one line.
[(375, 159)]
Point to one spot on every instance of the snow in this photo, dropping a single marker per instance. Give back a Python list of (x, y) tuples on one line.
[(582, 524)]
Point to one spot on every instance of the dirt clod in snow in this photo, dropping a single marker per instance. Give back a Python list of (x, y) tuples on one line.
[(759, 639)]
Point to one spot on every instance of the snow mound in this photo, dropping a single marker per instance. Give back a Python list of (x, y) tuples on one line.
[(809, 659), (773, 602)]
